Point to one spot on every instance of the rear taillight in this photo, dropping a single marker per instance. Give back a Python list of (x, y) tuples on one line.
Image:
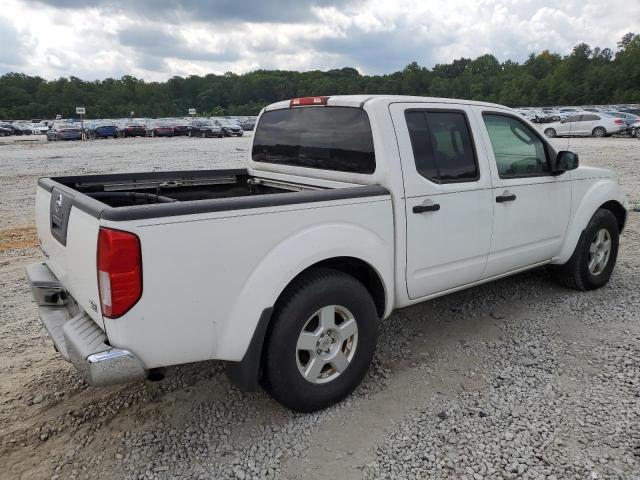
[(298, 102), (618, 121), (119, 271)]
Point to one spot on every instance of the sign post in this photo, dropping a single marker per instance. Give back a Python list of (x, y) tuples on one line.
[(81, 111), (192, 111)]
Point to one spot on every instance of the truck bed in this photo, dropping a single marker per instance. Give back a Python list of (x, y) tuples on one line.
[(131, 196)]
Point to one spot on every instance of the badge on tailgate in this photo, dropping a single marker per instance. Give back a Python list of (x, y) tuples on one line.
[(59, 209)]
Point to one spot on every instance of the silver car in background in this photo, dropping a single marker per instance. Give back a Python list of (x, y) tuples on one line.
[(584, 124)]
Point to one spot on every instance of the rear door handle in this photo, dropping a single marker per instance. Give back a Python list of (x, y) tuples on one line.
[(505, 198), (434, 207)]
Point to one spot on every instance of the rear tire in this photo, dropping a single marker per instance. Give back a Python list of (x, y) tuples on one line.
[(550, 132), (599, 132), (334, 315), (594, 257)]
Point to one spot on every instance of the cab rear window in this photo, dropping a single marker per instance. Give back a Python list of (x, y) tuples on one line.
[(326, 138)]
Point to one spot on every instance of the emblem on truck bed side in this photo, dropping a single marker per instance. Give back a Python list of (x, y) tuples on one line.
[(59, 203)]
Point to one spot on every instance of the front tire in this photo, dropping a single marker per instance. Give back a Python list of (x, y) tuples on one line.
[(594, 257), (599, 132), (550, 132), (322, 340)]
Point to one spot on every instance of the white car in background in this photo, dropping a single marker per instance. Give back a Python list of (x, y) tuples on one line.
[(39, 128), (586, 124)]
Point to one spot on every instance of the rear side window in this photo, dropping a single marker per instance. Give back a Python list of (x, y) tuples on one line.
[(327, 138), (442, 146)]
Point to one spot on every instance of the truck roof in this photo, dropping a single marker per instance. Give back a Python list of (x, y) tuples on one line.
[(360, 100)]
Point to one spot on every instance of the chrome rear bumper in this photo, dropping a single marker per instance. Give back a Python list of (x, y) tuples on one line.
[(76, 336)]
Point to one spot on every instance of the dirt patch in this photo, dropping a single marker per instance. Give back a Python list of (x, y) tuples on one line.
[(14, 238)]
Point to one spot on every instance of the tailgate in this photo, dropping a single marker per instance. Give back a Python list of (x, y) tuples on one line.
[(69, 237)]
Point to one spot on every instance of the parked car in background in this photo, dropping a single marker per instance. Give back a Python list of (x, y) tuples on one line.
[(133, 129), (632, 121), (5, 132), (201, 127), (159, 128), (102, 130), (180, 127), (14, 130), (229, 127), (39, 128), (634, 111), (64, 131), (248, 124), (586, 124), (24, 128)]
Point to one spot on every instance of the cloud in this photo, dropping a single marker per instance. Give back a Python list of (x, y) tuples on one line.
[(157, 39), (214, 11), (14, 45)]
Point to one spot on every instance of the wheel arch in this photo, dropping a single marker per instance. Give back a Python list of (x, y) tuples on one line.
[(602, 194)]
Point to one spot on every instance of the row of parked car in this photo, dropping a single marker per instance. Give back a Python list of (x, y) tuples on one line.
[(597, 121), (168, 127), (139, 127)]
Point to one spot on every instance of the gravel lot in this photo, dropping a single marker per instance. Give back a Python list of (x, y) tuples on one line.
[(519, 378)]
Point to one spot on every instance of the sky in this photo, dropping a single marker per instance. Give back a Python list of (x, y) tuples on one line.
[(158, 39)]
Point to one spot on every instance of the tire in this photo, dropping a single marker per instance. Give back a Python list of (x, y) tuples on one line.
[(599, 132), (637, 133), (550, 132), (328, 290), (578, 273)]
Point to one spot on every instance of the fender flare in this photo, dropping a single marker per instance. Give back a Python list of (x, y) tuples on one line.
[(601, 192), (290, 258)]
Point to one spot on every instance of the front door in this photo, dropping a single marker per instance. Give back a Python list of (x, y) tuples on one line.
[(447, 196), (531, 206)]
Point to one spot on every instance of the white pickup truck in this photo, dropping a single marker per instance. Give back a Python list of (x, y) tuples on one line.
[(351, 207)]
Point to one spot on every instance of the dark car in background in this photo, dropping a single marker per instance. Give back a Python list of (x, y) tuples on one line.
[(159, 129), (204, 128), (134, 129), (102, 130), (5, 132), (15, 130), (180, 128), (64, 132), (229, 127)]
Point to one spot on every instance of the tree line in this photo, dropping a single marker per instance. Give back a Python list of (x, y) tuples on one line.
[(585, 76)]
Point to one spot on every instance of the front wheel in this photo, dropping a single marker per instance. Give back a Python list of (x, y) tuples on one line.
[(594, 257), (599, 132), (550, 132), (322, 341)]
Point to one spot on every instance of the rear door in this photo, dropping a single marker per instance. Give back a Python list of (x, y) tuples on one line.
[(448, 196), (531, 206)]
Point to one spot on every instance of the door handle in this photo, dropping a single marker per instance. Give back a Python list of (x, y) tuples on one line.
[(434, 207), (506, 198)]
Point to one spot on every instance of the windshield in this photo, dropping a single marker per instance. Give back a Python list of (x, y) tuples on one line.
[(328, 138)]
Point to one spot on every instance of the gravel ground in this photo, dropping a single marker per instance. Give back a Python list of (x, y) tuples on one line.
[(519, 378)]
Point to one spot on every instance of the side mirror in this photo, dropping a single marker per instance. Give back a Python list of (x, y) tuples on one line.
[(565, 161)]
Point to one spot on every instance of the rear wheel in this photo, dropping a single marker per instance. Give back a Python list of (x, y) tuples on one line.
[(594, 257), (599, 132), (550, 132), (322, 341)]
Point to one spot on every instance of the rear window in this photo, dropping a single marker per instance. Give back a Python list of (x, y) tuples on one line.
[(327, 138)]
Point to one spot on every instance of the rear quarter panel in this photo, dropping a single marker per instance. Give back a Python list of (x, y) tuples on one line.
[(208, 277)]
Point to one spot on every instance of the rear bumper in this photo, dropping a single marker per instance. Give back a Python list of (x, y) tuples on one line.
[(76, 336)]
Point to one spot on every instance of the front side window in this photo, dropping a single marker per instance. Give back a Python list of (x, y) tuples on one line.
[(573, 118), (518, 151), (327, 138), (442, 146)]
